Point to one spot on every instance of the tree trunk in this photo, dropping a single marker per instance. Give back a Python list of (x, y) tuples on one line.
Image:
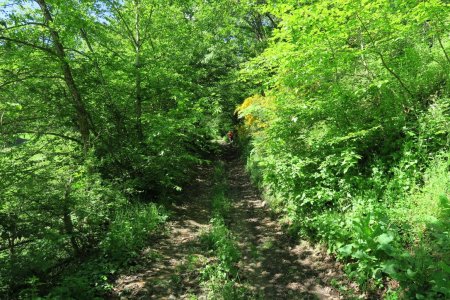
[(138, 80), (77, 101), (67, 220)]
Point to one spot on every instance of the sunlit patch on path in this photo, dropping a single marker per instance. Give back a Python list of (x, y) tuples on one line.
[(274, 266)]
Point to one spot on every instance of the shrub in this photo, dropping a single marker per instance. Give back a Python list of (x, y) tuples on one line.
[(131, 229)]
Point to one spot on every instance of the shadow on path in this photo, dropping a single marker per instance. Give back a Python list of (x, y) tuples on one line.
[(272, 265), (162, 271)]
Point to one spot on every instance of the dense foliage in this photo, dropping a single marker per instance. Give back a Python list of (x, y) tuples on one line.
[(105, 104), (350, 135)]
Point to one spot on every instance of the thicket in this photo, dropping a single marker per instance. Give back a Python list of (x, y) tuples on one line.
[(349, 136), (106, 106)]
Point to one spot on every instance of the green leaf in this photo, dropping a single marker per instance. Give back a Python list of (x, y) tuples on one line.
[(410, 273), (389, 268), (385, 238), (346, 250)]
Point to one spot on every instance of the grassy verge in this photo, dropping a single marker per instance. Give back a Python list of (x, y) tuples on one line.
[(221, 276)]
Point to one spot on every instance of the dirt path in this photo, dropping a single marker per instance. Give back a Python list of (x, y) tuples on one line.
[(274, 266), (168, 269)]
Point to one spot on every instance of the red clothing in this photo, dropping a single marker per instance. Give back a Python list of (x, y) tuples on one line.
[(230, 135)]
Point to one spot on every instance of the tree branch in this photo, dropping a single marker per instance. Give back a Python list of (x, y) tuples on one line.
[(269, 16), (29, 77), (3, 248), (47, 133), (23, 25), (383, 61), (25, 43), (443, 48), (78, 51), (2, 123), (127, 27)]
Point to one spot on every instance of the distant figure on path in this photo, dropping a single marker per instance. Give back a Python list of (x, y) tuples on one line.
[(230, 136)]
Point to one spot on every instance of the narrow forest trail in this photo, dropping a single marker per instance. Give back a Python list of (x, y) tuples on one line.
[(272, 266)]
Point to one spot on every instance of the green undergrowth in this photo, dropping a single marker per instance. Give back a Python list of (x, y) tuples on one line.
[(388, 220), (131, 229), (391, 229), (92, 276), (221, 276), (350, 137)]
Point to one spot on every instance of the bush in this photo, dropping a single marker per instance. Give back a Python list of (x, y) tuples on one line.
[(131, 229), (351, 138)]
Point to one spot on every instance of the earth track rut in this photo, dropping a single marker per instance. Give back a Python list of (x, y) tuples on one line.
[(273, 265)]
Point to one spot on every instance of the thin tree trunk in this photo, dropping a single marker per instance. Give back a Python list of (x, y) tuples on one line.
[(363, 59), (443, 48), (67, 220), (77, 101), (383, 61), (138, 80)]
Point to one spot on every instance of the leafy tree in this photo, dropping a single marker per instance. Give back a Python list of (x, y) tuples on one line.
[(105, 104), (340, 141)]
